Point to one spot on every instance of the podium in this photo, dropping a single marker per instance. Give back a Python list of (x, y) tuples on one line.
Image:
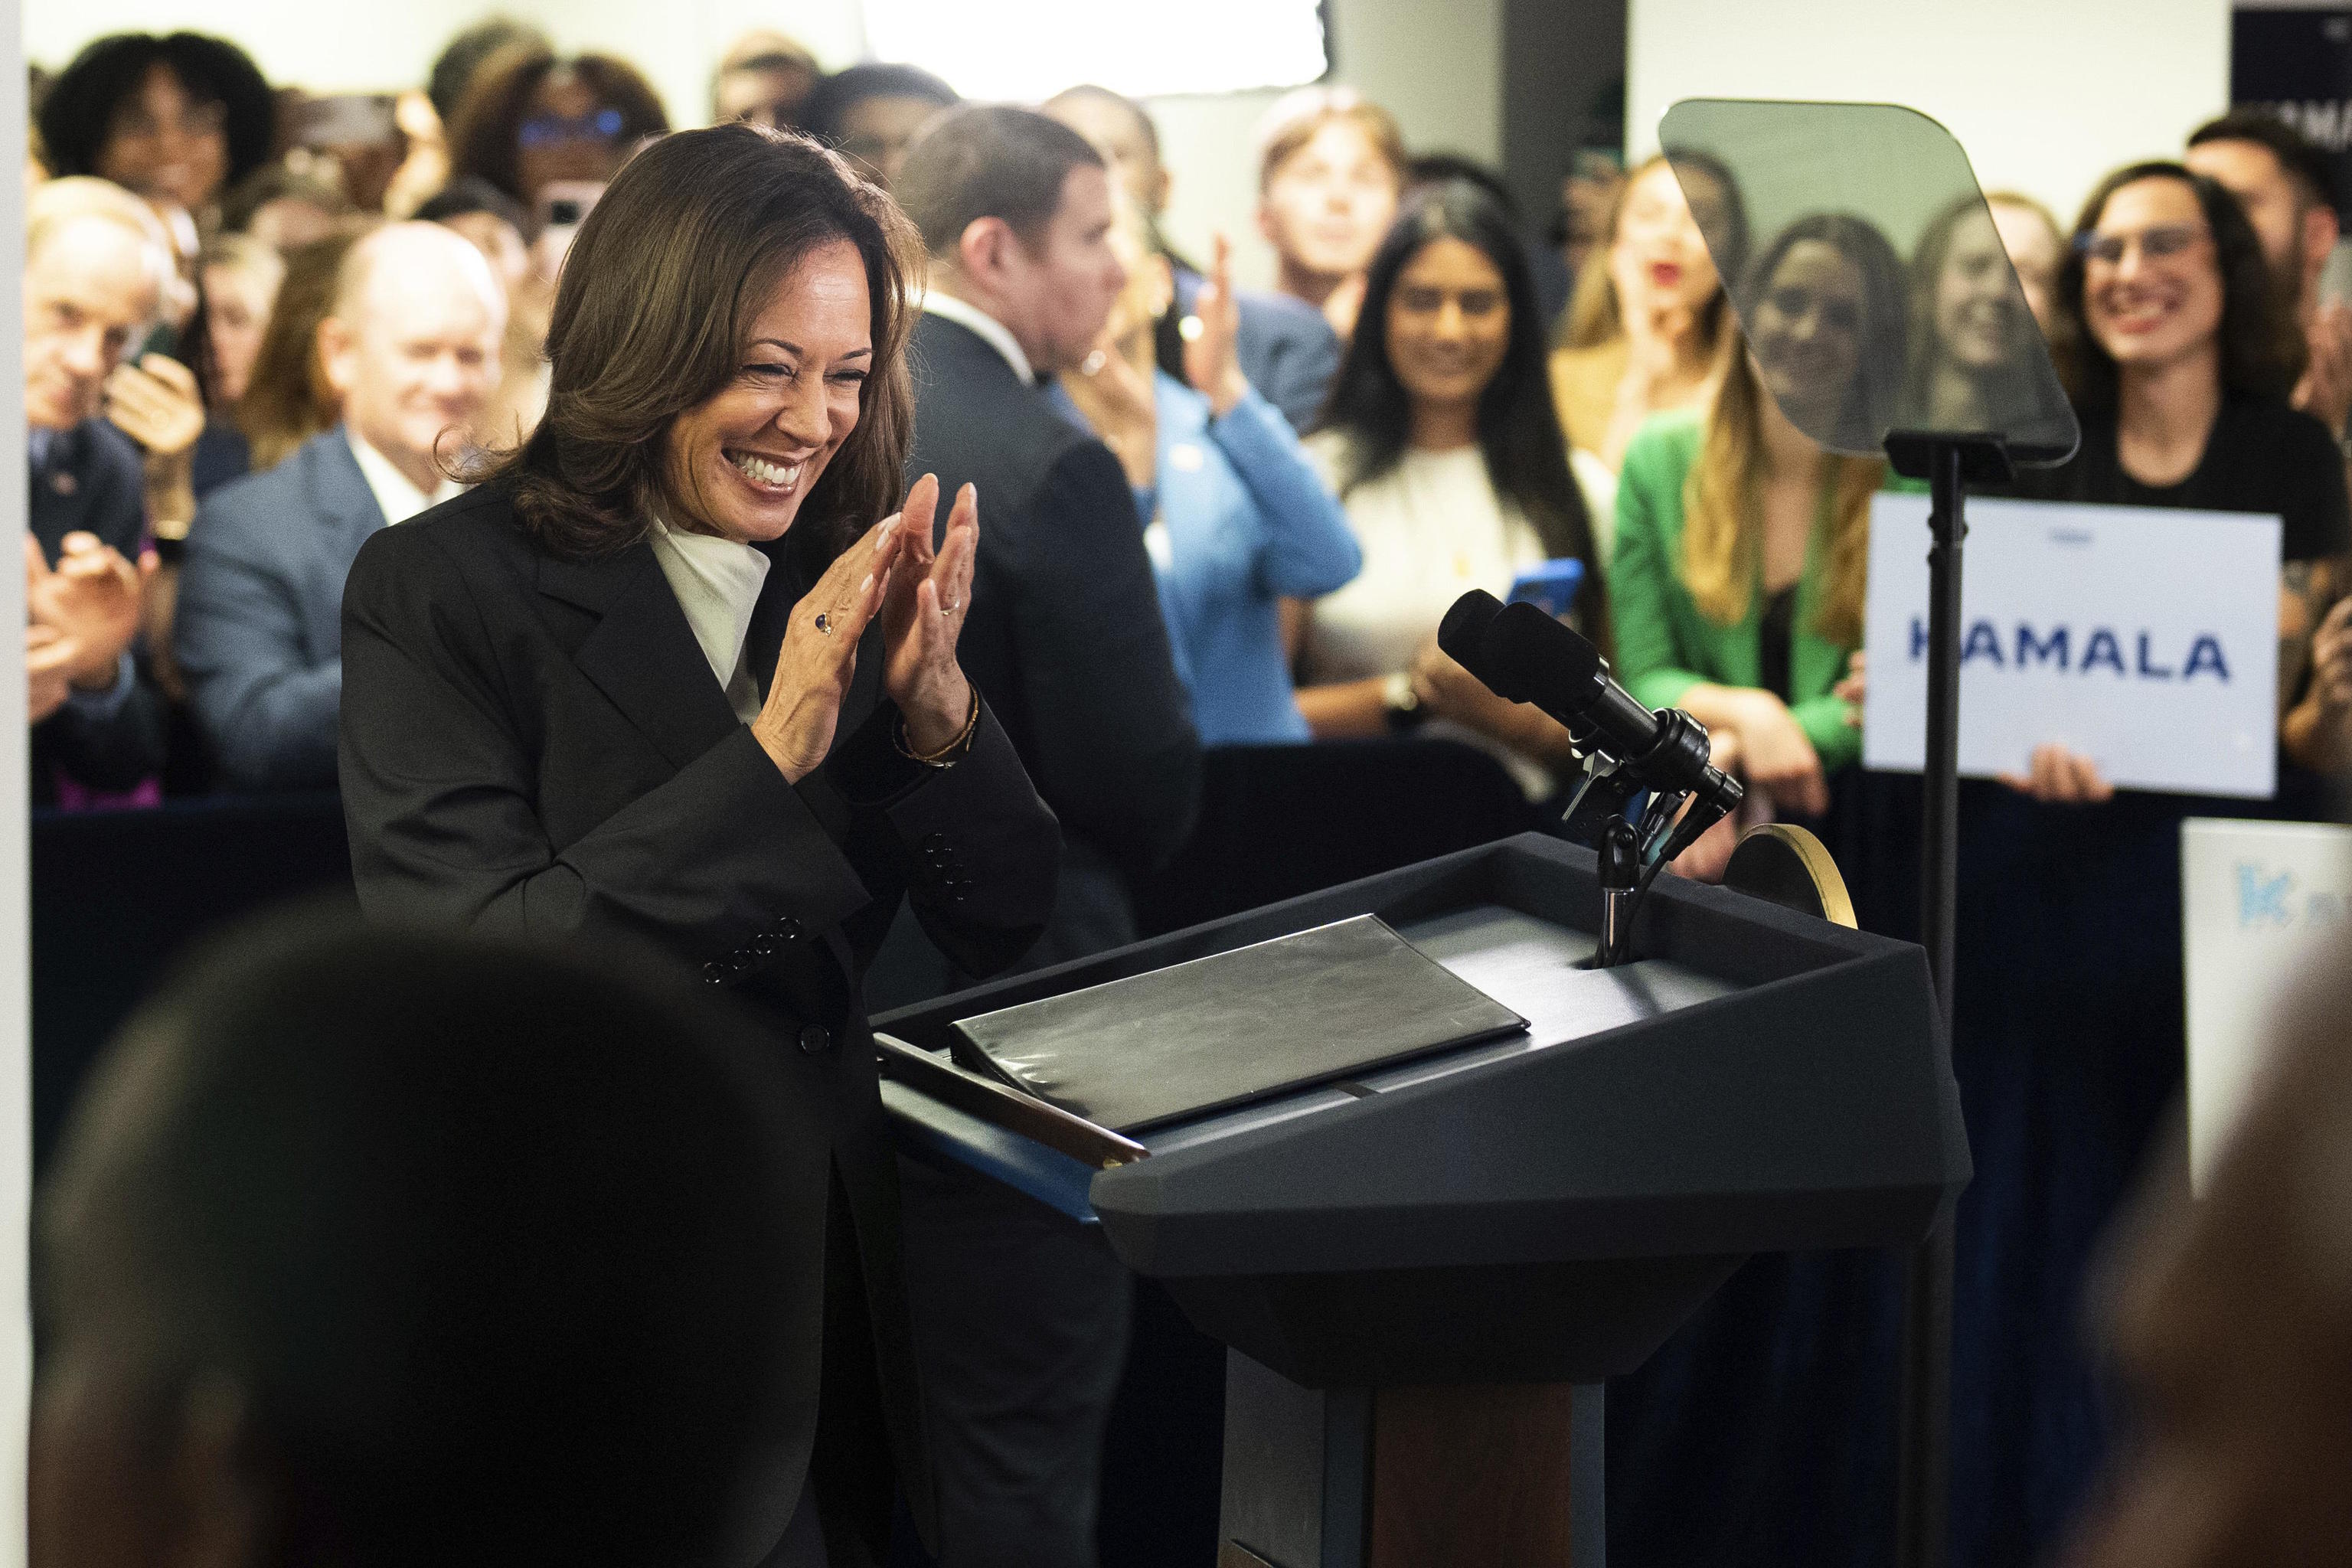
[(1425, 1273)]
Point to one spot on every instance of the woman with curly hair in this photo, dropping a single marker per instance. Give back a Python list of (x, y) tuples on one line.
[(531, 119), (175, 118)]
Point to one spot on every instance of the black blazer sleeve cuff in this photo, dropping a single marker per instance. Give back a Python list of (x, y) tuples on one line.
[(865, 773)]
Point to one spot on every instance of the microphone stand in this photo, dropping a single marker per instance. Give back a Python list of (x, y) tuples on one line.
[(1950, 463)]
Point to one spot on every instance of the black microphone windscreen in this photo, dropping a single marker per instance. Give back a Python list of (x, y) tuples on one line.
[(1531, 657), (1463, 632)]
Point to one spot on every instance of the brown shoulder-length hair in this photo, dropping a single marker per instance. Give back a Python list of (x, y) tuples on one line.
[(2263, 350), (286, 399), (656, 296), (486, 138)]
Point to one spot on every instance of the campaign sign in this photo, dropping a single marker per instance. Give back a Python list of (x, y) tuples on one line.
[(2145, 638), (2264, 906)]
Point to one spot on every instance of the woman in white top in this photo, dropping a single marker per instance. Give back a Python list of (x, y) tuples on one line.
[(1441, 440)]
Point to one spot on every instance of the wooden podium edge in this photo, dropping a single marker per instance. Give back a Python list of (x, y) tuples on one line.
[(1000, 1106)]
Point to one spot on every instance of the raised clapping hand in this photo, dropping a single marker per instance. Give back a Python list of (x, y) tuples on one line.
[(91, 599), (820, 652), (930, 594), (922, 596), (1212, 362)]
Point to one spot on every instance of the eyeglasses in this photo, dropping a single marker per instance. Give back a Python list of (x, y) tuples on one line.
[(548, 130), (2159, 242)]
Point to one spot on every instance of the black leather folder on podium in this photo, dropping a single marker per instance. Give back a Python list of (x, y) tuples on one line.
[(1426, 1271)]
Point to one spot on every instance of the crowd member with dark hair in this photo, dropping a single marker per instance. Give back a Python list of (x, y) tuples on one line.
[(764, 78), (1743, 548), (871, 112), (1287, 350), (531, 119), (2070, 990), (410, 348), (1021, 1314), (379, 1247), (1331, 169), (177, 119), (670, 674), (2287, 187), (461, 58), (1646, 324), (285, 208), (1236, 517), (2181, 370), (1441, 440)]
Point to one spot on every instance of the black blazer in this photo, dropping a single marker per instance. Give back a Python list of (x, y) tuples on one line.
[(537, 745), (1063, 635), (94, 483)]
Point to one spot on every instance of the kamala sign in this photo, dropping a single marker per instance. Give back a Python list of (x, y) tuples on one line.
[(2145, 638)]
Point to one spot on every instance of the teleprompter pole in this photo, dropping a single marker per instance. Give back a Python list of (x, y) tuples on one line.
[(1922, 1525)]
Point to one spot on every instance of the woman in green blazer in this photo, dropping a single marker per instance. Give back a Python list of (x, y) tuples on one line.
[(1738, 581)]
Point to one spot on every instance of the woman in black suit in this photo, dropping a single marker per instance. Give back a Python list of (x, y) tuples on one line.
[(662, 678)]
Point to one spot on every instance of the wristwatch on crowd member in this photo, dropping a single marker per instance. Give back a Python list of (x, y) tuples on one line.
[(1405, 712)]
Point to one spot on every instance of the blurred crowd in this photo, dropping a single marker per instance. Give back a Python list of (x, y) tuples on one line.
[(262, 325)]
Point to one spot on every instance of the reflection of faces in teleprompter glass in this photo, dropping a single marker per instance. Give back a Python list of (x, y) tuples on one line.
[(1978, 321), (1805, 328)]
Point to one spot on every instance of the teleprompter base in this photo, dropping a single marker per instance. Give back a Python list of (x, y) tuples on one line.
[(1471, 1476)]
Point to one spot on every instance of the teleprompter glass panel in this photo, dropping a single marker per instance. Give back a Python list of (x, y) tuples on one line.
[(1868, 274)]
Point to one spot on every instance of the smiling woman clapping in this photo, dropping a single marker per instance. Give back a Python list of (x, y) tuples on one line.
[(668, 676)]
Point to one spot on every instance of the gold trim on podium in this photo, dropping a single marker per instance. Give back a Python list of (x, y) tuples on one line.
[(1786, 865)]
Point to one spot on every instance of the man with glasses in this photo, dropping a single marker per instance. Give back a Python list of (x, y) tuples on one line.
[(96, 264)]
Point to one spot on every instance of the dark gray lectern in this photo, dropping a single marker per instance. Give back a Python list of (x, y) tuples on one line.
[(1425, 1272)]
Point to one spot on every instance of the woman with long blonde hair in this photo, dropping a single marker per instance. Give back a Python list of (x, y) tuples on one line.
[(1644, 328), (1743, 546)]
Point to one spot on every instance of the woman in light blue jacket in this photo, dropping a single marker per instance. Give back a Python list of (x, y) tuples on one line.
[(1236, 517)]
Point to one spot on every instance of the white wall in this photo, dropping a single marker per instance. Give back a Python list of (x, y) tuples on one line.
[(1436, 63), (2045, 95)]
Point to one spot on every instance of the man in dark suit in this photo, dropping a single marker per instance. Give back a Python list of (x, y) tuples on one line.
[(1288, 350), (96, 263), (412, 348), (1020, 1315)]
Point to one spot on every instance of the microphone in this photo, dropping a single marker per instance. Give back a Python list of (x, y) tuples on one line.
[(1525, 656)]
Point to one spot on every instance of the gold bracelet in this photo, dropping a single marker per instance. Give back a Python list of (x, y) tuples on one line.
[(947, 756)]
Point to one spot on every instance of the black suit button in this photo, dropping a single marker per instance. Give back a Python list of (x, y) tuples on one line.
[(764, 946), (739, 960), (790, 930), (933, 843), (815, 1041), (955, 895), (715, 974)]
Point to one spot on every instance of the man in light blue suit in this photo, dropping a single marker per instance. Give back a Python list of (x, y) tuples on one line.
[(411, 347), (1288, 350)]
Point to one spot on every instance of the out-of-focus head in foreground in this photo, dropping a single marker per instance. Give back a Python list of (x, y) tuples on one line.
[(2231, 1321), (368, 1247)]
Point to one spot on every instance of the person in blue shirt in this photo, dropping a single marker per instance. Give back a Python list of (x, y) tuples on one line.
[(1236, 517)]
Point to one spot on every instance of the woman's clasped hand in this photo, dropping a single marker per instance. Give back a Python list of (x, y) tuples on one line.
[(921, 595)]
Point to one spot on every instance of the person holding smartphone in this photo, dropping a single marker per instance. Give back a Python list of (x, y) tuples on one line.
[(1441, 442)]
